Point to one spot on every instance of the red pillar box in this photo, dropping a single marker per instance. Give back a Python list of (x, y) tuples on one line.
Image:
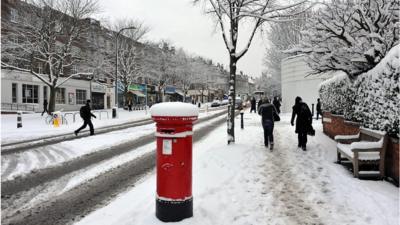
[(174, 121)]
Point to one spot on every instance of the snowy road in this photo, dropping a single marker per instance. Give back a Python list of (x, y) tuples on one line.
[(247, 184), (78, 188)]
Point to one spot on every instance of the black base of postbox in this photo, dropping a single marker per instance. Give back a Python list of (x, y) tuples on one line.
[(173, 211)]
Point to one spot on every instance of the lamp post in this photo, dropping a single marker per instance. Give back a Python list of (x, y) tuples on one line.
[(116, 62)]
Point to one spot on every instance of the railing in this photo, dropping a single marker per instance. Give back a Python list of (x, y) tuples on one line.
[(99, 113), (16, 106)]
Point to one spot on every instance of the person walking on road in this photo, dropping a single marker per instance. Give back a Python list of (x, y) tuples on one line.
[(86, 116), (319, 110), (268, 114), (253, 105), (303, 121), (45, 107), (277, 104)]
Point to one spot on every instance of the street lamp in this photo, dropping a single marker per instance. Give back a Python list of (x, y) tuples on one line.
[(116, 62)]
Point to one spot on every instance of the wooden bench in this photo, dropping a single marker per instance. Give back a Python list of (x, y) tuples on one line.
[(366, 147)]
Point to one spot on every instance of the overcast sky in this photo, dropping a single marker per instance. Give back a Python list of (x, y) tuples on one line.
[(185, 26)]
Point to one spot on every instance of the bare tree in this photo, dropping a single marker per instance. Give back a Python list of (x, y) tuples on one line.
[(130, 52), (229, 14), (50, 38)]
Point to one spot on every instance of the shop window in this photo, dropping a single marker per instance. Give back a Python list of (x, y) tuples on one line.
[(30, 93), (80, 97), (14, 93), (60, 96)]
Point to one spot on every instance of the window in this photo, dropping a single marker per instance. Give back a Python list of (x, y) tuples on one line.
[(13, 15), (44, 93), (14, 93), (74, 69), (60, 96), (30, 93), (40, 68), (80, 97)]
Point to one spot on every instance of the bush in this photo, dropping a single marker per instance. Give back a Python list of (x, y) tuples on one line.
[(373, 99), (377, 99), (337, 95)]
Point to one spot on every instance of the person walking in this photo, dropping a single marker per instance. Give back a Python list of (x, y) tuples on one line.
[(277, 104), (45, 107), (319, 110), (130, 105), (253, 104), (303, 121), (268, 114), (86, 116)]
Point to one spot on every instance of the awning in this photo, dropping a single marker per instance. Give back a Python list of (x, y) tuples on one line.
[(137, 93)]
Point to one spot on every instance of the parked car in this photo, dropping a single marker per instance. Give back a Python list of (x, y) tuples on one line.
[(215, 104), (225, 102), (238, 103)]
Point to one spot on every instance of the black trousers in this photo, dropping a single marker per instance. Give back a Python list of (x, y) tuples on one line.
[(252, 109), (302, 139), (268, 126), (45, 110), (85, 123), (319, 113)]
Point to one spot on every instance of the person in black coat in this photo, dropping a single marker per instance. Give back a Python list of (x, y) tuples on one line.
[(86, 116), (277, 105), (253, 105), (303, 121), (45, 107), (268, 113)]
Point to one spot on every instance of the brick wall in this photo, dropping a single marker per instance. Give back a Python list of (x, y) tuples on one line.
[(336, 125)]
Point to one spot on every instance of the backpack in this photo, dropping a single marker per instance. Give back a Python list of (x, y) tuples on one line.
[(82, 112), (304, 111)]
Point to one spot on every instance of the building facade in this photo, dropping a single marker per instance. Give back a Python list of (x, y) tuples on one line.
[(297, 81)]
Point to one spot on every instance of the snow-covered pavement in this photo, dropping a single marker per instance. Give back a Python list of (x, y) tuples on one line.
[(245, 183)]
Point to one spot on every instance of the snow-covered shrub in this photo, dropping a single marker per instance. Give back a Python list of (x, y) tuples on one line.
[(377, 99), (337, 95)]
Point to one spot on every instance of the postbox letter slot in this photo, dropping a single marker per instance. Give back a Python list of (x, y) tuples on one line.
[(168, 131)]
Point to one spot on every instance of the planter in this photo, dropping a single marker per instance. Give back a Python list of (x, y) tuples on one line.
[(336, 125)]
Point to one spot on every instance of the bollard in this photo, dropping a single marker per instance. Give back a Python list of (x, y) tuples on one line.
[(114, 113), (19, 119), (241, 119), (174, 121)]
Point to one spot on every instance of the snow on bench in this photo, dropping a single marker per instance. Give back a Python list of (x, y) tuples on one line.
[(366, 147)]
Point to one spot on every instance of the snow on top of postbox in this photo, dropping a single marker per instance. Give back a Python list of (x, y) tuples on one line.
[(174, 109)]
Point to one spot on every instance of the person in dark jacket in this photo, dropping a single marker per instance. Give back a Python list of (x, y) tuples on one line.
[(45, 107), (253, 105), (267, 112), (86, 116), (319, 110), (277, 105), (303, 121), (259, 103)]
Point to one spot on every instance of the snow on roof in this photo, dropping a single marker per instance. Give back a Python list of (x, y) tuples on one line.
[(174, 109)]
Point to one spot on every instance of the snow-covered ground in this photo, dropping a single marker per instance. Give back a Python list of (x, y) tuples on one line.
[(34, 125), (245, 183), (23, 163)]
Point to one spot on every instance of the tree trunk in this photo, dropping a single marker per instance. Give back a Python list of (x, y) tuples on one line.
[(232, 94), (52, 101)]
